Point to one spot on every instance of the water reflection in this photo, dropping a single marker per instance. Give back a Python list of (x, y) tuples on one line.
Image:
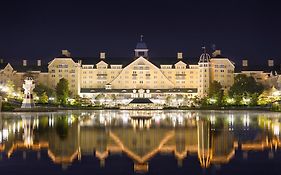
[(212, 137)]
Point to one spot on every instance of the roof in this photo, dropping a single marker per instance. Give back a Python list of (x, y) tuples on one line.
[(124, 61), (254, 66), (141, 45), (28, 68), (112, 61), (140, 100), (103, 90), (204, 58), (219, 56)]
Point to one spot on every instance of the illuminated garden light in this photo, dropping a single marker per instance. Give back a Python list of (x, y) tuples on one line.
[(230, 100), (246, 101), (212, 100), (51, 98)]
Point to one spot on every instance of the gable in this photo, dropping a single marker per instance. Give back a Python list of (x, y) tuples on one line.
[(61, 61), (102, 64), (142, 74), (180, 65), (8, 67)]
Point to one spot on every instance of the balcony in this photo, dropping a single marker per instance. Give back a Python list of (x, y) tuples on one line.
[(182, 74)]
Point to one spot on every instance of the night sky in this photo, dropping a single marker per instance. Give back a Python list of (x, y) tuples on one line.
[(40, 29)]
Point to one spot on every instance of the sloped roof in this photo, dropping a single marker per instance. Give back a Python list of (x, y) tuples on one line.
[(124, 61), (28, 68), (254, 66), (141, 45)]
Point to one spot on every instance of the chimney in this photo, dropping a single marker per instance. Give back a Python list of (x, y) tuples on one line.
[(66, 53), (270, 62), (245, 63), (216, 53), (179, 55), (102, 55), (1, 61), (24, 62), (38, 62)]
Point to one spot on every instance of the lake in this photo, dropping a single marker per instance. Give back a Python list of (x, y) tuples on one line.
[(126, 142)]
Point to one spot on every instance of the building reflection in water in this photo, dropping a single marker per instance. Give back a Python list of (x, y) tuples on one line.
[(212, 137)]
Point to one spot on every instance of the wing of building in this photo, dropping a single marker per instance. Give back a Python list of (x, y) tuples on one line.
[(137, 77)]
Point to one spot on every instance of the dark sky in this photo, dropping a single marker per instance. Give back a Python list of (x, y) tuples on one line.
[(40, 29)]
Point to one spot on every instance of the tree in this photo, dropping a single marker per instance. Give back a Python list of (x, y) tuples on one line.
[(244, 85), (216, 92), (10, 88), (113, 98), (100, 99), (169, 100), (40, 89), (215, 88), (44, 98), (62, 91)]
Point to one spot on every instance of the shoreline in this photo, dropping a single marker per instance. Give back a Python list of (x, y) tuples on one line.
[(62, 109)]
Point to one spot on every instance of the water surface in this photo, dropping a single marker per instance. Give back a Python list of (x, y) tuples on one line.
[(148, 142)]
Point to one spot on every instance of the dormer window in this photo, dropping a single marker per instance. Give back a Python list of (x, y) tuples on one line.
[(270, 63), (244, 63)]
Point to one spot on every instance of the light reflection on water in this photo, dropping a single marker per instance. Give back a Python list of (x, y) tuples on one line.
[(212, 138)]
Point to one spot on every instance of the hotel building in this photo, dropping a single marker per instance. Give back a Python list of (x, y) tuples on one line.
[(139, 77), (268, 74)]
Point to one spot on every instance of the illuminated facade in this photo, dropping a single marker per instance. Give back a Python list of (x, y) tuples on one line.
[(140, 78)]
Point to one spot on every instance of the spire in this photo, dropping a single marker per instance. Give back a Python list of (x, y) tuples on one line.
[(141, 38), (141, 48), (204, 49)]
